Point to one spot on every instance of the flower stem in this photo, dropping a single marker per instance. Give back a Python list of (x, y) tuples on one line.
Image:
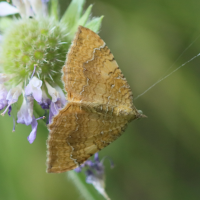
[(86, 190)]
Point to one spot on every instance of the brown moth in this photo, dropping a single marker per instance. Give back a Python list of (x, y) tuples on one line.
[(99, 104)]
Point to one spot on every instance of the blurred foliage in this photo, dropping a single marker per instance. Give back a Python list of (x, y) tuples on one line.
[(158, 158)]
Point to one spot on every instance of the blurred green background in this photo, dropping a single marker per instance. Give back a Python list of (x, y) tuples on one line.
[(158, 158)]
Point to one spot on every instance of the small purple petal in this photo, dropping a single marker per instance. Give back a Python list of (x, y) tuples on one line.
[(33, 133), (3, 95), (90, 179), (52, 92), (3, 103), (36, 82), (7, 9), (50, 117), (37, 94), (58, 100), (9, 110), (34, 88), (28, 89), (29, 10), (39, 7), (14, 94), (45, 103), (96, 157), (95, 165), (62, 96), (23, 115), (89, 173), (20, 6), (30, 102), (78, 169), (54, 108), (89, 163)]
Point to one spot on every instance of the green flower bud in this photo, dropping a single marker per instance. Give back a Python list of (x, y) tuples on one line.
[(34, 41)]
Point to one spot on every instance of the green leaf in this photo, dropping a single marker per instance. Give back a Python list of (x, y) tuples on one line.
[(54, 10), (73, 13), (82, 21), (95, 24)]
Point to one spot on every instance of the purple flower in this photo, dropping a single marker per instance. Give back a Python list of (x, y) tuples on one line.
[(54, 108), (28, 8), (39, 6), (13, 96), (52, 92), (96, 165), (32, 135), (34, 88), (24, 114), (95, 174), (58, 100), (7, 9), (62, 96), (97, 180), (45, 103), (3, 95), (9, 110)]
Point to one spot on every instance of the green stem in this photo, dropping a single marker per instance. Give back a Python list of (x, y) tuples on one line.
[(80, 185), (86, 190)]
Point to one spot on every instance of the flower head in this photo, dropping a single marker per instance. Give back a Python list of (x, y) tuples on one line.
[(95, 174), (33, 49)]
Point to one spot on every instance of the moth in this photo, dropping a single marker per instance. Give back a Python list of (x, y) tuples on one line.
[(100, 104)]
